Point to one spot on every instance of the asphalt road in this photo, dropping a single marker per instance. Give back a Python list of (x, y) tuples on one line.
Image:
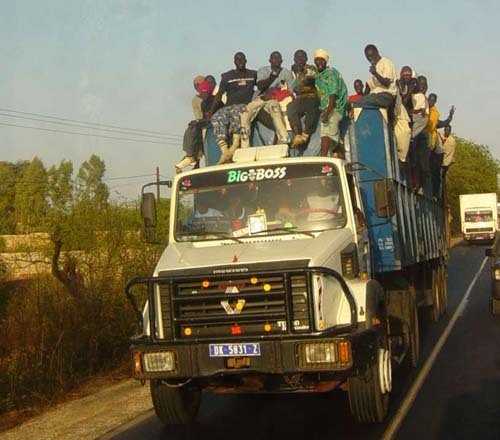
[(458, 399)]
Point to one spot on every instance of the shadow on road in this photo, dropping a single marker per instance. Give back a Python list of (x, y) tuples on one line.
[(302, 416)]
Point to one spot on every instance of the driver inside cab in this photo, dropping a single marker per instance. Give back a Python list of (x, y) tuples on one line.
[(322, 202), (202, 208)]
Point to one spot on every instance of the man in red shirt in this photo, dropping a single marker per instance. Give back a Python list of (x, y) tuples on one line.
[(358, 88)]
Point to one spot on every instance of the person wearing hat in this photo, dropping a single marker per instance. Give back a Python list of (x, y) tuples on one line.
[(193, 136), (333, 98)]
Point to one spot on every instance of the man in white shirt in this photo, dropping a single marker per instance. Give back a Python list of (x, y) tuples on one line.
[(381, 87), (269, 80), (448, 144)]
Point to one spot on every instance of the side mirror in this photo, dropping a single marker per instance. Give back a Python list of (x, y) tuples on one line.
[(488, 252), (148, 214), (385, 200)]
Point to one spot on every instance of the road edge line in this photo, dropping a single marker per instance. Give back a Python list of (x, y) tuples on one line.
[(401, 413)]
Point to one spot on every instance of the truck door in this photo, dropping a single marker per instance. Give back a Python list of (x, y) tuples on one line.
[(360, 221)]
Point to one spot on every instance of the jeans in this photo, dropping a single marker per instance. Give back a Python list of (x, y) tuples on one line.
[(192, 143), (383, 99), (271, 107), (436, 161), (303, 106), (419, 151)]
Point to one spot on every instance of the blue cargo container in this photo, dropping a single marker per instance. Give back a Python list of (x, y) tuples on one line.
[(415, 231)]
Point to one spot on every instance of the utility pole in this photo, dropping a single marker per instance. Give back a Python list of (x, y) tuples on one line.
[(158, 184)]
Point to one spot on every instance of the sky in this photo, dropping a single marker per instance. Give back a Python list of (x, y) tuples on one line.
[(130, 64)]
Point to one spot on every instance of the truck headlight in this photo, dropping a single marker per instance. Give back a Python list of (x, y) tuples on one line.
[(159, 361), (320, 353), (496, 274), (323, 355)]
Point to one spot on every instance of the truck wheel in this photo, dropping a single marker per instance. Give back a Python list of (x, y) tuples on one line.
[(413, 337), (436, 293), (369, 392), (368, 403), (175, 406), (443, 298), (496, 306)]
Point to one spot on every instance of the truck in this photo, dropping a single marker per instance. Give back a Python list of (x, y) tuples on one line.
[(290, 274), (478, 217)]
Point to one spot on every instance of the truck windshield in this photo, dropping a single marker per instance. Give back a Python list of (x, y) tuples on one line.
[(247, 201), (478, 216)]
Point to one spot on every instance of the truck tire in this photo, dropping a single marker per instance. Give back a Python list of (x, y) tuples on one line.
[(175, 405), (496, 306), (443, 298), (436, 293), (369, 391), (412, 338)]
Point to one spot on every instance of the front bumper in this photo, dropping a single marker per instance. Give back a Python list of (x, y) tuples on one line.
[(480, 237), (193, 361)]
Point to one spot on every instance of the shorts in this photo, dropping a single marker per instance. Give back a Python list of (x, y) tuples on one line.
[(331, 128)]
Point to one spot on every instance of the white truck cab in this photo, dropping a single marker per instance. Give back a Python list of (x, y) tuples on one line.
[(266, 277)]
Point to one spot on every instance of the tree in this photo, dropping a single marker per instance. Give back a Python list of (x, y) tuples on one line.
[(60, 195), (89, 185), (60, 188), (31, 197), (474, 171), (10, 173)]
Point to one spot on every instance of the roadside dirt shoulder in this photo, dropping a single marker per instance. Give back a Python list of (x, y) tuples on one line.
[(89, 417)]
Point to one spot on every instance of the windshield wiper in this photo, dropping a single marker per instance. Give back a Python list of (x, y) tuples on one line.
[(205, 233), (292, 229)]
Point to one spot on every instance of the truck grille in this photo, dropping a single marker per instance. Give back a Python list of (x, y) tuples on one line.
[(247, 305)]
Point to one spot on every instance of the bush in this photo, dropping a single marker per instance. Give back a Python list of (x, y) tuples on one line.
[(52, 341)]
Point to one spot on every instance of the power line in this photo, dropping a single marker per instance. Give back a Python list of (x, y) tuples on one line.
[(90, 135), (126, 131), (89, 123), (129, 177)]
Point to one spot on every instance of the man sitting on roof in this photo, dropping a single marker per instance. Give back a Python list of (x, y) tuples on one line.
[(270, 81), (238, 84), (382, 85), (306, 101), (193, 136)]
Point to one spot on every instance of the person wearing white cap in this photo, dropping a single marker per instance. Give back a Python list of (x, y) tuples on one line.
[(333, 97)]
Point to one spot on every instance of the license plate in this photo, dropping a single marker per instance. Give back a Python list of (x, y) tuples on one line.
[(230, 350)]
